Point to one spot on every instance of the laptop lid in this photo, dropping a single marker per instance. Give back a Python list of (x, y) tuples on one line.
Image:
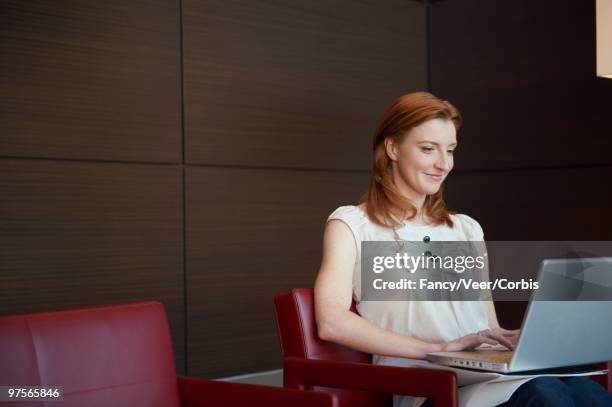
[(569, 318)]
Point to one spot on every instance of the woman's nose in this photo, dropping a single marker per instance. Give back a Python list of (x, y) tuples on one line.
[(443, 163)]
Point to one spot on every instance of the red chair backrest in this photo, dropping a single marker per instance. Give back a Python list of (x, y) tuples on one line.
[(117, 355), (298, 332), (295, 319)]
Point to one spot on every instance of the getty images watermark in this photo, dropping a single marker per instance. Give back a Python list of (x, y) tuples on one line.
[(477, 271)]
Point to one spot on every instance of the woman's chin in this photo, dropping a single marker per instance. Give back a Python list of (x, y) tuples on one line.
[(430, 188)]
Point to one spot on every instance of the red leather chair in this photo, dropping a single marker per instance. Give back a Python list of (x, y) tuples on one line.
[(118, 355), (311, 363)]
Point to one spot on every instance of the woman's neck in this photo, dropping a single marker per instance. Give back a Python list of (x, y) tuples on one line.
[(419, 219)]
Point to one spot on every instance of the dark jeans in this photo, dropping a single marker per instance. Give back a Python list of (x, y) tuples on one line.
[(549, 391)]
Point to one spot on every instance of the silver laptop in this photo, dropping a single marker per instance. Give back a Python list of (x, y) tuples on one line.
[(555, 334)]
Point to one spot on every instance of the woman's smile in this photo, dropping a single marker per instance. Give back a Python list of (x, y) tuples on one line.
[(435, 177)]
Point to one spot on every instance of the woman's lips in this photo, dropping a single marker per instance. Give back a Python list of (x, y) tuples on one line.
[(435, 177)]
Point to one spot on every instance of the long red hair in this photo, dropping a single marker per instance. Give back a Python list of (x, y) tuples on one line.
[(383, 199)]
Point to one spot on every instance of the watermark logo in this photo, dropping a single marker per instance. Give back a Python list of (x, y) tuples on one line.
[(475, 271)]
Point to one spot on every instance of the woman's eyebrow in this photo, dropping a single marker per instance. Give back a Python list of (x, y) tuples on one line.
[(437, 144)]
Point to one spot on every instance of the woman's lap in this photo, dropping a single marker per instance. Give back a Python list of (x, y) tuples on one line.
[(558, 392)]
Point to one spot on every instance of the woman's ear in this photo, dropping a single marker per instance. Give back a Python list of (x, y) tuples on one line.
[(391, 148)]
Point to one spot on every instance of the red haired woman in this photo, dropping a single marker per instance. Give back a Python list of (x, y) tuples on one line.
[(413, 155)]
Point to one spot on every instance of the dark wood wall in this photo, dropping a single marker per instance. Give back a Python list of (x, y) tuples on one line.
[(190, 151), (535, 155), (281, 99), (91, 205)]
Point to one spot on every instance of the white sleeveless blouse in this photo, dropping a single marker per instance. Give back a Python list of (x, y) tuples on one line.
[(430, 321)]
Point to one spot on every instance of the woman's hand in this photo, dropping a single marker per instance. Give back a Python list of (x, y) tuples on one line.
[(468, 342), (503, 336), (492, 336)]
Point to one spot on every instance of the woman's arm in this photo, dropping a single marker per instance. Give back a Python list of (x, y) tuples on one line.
[(492, 316), (337, 323), (505, 337)]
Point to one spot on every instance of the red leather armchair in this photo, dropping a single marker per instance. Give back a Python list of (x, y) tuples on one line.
[(311, 363), (118, 355)]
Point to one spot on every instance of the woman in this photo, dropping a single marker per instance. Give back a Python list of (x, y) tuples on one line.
[(413, 155)]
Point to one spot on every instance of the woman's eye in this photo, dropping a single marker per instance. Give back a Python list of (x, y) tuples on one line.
[(450, 151), (427, 149)]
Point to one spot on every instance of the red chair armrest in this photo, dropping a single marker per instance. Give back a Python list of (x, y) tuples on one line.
[(202, 392), (604, 380), (438, 385)]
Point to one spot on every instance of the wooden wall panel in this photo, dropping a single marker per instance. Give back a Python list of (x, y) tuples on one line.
[(557, 204), (90, 80), (296, 84), (75, 234), (523, 75), (251, 233)]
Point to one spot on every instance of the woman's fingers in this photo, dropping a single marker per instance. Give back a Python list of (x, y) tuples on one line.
[(481, 338), (494, 336), (499, 338), (490, 341), (469, 342), (506, 332), (512, 335)]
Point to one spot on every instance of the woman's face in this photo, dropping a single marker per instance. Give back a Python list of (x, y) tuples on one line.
[(424, 157)]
